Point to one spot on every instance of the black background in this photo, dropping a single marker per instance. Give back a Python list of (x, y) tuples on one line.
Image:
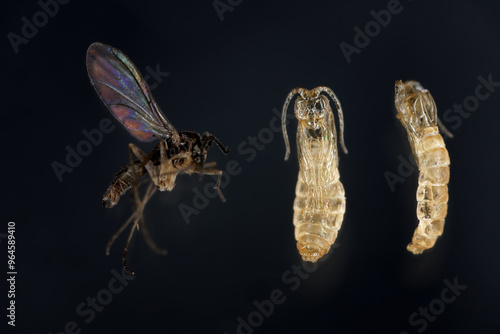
[(226, 77)]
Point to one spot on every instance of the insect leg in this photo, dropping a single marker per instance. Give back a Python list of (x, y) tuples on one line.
[(117, 233), (149, 192), (150, 240), (164, 180), (129, 220), (213, 171), (144, 159), (125, 250), (136, 200), (138, 219)]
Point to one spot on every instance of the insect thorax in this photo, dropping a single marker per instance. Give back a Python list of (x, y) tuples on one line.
[(416, 109), (415, 105), (186, 152), (316, 133), (317, 147)]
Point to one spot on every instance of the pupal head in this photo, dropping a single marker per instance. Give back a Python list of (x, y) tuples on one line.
[(415, 105), (311, 107)]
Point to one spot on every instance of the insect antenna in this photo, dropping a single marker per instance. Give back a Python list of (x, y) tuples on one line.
[(224, 149), (283, 118), (206, 141), (339, 112)]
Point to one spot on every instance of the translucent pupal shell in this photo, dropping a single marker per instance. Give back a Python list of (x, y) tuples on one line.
[(319, 204), (418, 114)]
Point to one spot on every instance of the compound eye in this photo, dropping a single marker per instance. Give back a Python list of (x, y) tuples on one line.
[(301, 110), (301, 113), (178, 162), (196, 158), (319, 108), (196, 154)]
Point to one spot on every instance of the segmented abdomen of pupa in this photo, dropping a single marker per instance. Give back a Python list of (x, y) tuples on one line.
[(432, 191), (318, 216)]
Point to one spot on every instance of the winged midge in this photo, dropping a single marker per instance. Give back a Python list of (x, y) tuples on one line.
[(122, 89)]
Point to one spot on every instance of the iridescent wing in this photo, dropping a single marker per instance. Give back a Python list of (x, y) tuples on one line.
[(127, 96)]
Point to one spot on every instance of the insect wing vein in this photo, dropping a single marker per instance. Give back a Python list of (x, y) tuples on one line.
[(127, 96)]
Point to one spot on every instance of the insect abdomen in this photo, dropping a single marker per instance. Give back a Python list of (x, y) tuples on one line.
[(122, 182), (318, 215), (432, 191)]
